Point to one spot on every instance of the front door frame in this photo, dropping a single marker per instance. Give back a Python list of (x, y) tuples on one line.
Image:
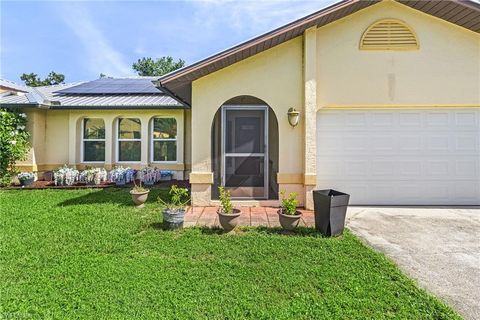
[(266, 175)]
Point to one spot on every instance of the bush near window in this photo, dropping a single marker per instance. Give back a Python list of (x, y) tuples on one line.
[(14, 144)]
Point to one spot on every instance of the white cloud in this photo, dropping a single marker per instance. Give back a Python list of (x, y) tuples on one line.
[(101, 57), (252, 16)]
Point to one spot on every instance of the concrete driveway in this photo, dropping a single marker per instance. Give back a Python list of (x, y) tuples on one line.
[(439, 247)]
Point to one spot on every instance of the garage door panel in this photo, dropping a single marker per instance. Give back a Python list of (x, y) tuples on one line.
[(383, 168), (463, 191), (466, 142), (354, 119), (466, 120), (438, 119), (409, 119), (467, 168), (382, 119), (417, 157), (437, 168), (410, 143)]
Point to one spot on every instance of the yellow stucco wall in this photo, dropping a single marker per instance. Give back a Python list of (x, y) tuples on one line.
[(444, 71), (36, 127), (274, 76), (56, 138)]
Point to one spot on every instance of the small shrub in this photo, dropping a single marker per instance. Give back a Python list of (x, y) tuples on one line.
[(225, 201), (14, 144), (178, 198), (289, 204)]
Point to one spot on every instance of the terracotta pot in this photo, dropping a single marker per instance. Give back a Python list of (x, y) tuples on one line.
[(289, 222), (228, 221), (139, 198)]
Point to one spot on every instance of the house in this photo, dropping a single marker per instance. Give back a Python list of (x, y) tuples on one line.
[(380, 99), (12, 87)]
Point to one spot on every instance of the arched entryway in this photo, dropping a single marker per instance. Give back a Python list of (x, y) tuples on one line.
[(245, 149)]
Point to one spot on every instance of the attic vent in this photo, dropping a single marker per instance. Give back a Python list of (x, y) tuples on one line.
[(389, 34)]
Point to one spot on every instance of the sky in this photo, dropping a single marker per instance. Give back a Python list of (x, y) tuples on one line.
[(83, 39)]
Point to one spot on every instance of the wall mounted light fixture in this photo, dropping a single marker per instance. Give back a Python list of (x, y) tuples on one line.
[(293, 117)]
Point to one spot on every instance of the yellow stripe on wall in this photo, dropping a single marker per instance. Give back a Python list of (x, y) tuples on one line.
[(401, 106)]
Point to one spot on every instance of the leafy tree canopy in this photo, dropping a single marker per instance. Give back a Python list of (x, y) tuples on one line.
[(32, 79), (158, 67)]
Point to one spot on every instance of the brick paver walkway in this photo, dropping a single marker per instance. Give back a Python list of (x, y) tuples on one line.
[(251, 216)]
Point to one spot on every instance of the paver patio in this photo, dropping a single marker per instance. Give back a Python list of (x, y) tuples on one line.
[(251, 216)]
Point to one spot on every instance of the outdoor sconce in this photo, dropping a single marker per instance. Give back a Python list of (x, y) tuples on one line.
[(293, 117)]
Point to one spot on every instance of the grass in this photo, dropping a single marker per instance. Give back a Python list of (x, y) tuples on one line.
[(89, 254)]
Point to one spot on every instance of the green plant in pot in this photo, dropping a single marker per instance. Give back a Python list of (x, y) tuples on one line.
[(26, 178), (174, 209), (288, 214), (139, 195), (227, 215)]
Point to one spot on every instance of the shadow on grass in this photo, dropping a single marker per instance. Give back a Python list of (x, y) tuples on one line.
[(298, 232), (161, 226), (119, 196)]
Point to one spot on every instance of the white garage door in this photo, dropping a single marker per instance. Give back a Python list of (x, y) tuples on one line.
[(400, 157)]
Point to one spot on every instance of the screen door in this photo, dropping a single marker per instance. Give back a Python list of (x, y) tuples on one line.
[(245, 151)]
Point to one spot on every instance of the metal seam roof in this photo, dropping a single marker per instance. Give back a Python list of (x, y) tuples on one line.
[(50, 97)]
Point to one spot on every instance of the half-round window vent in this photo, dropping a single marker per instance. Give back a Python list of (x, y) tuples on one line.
[(389, 34)]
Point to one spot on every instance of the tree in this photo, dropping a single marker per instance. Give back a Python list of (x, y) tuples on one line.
[(14, 144), (32, 79), (158, 67)]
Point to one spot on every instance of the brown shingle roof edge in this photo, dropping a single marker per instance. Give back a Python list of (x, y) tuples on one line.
[(464, 13)]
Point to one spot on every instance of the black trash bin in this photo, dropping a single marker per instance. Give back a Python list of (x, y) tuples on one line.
[(330, 210)]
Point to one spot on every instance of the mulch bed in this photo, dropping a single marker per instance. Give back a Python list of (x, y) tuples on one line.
[(41, 184)]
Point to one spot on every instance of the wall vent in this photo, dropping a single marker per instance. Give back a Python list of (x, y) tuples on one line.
[(389, 34)]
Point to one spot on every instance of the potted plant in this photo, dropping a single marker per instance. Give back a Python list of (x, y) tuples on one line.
[(166, 175), (65, 176), (120, 175), (288, 215), (148, 175), (139, 195), (100, 175), (93, 176), (227, 215), (26, 178), (174, 209)]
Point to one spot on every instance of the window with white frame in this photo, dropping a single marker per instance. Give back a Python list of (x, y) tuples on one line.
[(129, 147), (164, 140), (93, 140)]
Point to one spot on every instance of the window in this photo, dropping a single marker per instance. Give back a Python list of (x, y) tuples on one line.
[(129, 140), (93, 143), (164, 140), (389, 34)]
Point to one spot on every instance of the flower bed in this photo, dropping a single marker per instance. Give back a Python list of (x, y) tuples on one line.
[(67, 177)]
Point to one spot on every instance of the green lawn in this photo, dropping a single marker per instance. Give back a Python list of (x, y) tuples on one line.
[(89, 254)]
